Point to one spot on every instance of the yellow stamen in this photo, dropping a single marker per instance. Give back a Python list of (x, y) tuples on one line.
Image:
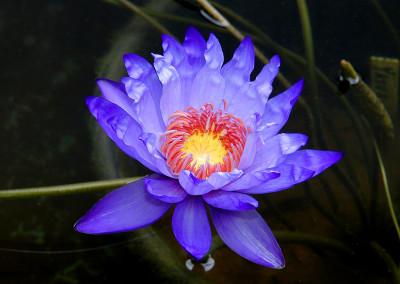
[(204, 147)]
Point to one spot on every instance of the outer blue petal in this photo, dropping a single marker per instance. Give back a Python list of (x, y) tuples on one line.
[(115, 93), (249, 151), (314, 160), (138, 68), (277, 111), (151, 141), (121, 128), (171, 99), (219, 179), (164, 189), (247, 234), (195, 46), (195, 186), (230, 200), (275, 147), (127, 208), (252, 96), (147, 107), (208, 85), (252, 179), (289, 176), (176, 55), (191, 227), (237, 71)]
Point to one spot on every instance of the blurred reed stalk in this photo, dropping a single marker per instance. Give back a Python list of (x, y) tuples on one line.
[(146, 17), (66, 189), (384, 180), (393, 269)]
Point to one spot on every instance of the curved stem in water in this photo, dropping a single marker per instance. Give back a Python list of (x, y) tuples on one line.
[(66, 189), (146, 17), (386, 187), (392, 267)]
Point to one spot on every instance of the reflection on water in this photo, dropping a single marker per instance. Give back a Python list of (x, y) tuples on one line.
[(50, 58)]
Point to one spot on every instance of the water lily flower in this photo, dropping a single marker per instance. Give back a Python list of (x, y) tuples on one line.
[(211, 137)]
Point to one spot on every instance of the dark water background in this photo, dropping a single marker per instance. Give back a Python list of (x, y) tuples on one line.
[(50, 54)]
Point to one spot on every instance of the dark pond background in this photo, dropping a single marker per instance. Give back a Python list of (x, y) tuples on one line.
[(51, 52)]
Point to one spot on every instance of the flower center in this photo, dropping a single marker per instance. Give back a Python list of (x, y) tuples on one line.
[(204, 141)]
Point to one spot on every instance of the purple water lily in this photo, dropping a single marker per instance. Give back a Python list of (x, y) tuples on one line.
[(211, 137)]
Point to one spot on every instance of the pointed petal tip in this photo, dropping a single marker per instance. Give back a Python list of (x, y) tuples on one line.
[(192, 30), (275, 60), (89, 99), (247, 40), (300, 82), (85, 227), (197, 255), (167, 40)]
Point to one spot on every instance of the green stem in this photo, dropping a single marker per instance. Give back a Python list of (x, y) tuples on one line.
[(386, 186), (312, 77), (392, 267), (146, 17), (66, 189), (185, 20)]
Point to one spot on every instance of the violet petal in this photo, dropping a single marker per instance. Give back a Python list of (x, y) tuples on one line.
[(140, 69), (247, 234), (252, 179), (208, 85), (196, 186), (275, 147), (277, 110), (121, 128), (252, 97), (171, 99), (249, 151), (193, 185), (315, 160), (176, 55), (289, 176), (191, 227), (146, 108), (164, 189), (219, 179), (115, 93), (195, 46), (230, 200), (237, 71), (127, 208)]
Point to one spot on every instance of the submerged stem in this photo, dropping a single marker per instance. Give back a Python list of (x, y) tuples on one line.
[(386, 187), (312, 77), (393, 269), (66, 189), (142, 14)]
